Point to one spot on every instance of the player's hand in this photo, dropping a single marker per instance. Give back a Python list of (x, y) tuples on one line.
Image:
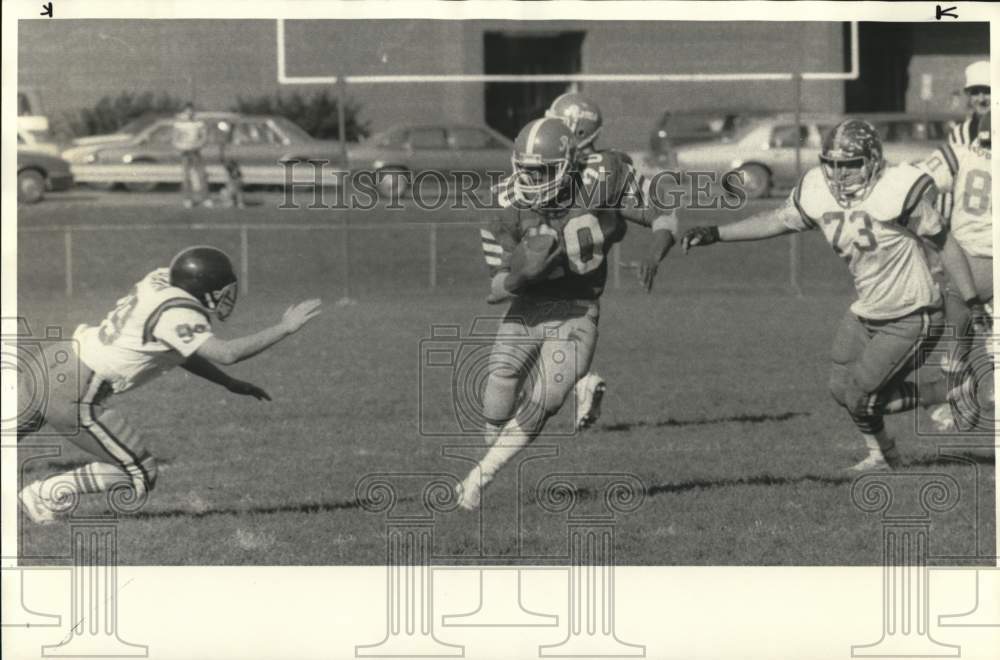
[(698, 236), (248, 389), (298, 315), (647, 272)]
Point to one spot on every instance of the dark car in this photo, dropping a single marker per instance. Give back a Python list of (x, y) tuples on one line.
[(38, 172), (408, 150), (678, 128)]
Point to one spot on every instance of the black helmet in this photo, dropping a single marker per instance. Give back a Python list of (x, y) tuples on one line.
[(852, 160), (207, 274)]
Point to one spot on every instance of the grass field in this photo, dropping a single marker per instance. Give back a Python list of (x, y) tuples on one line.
[(717, 402)]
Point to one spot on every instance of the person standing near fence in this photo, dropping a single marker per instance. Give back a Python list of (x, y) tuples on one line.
[(189, 137), (232, 193)]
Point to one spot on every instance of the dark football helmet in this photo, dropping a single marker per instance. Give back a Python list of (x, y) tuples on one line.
[(983, 131), (580, 114), (207, 274), (543, 154), (852, 160)]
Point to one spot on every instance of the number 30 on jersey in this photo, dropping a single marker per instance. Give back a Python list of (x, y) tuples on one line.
[(584, 240)]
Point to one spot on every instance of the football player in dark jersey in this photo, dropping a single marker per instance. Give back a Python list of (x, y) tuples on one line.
[(547, 251)]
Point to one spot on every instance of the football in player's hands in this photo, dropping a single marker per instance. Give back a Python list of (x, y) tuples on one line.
[(534, 255)]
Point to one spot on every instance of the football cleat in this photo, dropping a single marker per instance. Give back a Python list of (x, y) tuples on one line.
[(874, 463), (589, 393), (36, 506), (878, 461)]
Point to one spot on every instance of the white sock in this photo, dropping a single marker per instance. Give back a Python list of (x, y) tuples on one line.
[(879, 444), (491, 433), (510, 440)]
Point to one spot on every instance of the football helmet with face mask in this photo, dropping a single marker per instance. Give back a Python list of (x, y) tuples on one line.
[(580, 114), (543, 156), (207, 274), (852, 160)]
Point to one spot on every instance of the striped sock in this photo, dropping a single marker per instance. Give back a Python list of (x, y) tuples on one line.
[(899, 398), (869, 424), (90, 478)]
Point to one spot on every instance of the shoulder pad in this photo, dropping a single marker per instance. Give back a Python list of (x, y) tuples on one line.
[(897, 192), (812, 195)]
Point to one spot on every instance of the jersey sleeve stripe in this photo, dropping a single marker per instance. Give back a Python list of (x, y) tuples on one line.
[(916, 194), (958, 133), (493, 248), (171, 303), (493, 261), (944, 206), (950, 158)]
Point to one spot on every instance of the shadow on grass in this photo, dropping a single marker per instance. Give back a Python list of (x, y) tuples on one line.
[(955, 458), (584, 493), (312, 507), (670, 422)]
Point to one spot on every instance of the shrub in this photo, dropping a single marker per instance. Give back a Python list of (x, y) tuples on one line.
[(316, 113), (111, 113)]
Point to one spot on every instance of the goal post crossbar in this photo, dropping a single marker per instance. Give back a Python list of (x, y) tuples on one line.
[(285, 79)]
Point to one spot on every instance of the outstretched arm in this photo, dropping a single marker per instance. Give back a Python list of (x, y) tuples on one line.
[(231, 351), (199, 366), (766, 224)]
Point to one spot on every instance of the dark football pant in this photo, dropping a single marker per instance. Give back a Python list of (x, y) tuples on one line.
[(873, 359)]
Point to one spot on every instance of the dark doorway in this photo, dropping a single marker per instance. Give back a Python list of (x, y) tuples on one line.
[(509, 106), (885, 50)]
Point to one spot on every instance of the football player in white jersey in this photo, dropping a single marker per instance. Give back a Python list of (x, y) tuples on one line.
[(165, 321), (964, 176), (873, 216)]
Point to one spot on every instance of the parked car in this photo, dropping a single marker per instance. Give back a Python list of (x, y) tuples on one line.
[(38, 172), (33, 133), (764, 150), (256, 140), (34, 141), (123, 134), (675, 129), (408, 150)]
